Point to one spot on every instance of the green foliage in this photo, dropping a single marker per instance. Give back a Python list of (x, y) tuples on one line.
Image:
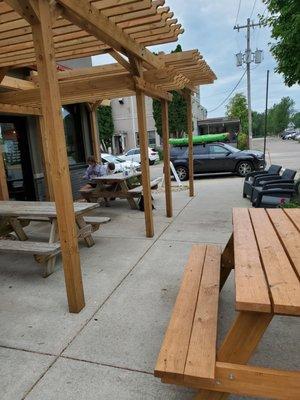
[(178, 49), (258, 124), (242, 141), (177, 112), (106, 125), (284, 20), (291, 204), (160, 154), (296, 119), (280, 115), (177, 115), (238, 108)]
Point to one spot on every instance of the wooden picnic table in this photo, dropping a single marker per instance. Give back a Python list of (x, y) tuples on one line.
[(264, 251), (16, 212), (117, 186)]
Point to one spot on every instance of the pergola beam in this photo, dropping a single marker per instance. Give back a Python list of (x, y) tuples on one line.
[(26, 9), (143, 139), (55, 136), (9, 82), (188, 97), (19, 110), (92, 108), (87, 88), (166, 152), (93, 21)]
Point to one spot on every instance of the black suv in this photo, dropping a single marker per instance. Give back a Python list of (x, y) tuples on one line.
[(216, 157)]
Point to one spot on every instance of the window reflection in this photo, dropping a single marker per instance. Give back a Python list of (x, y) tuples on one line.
[(73, 132)]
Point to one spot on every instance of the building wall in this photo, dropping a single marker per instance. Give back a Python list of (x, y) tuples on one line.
[(78, 62), (124, 112), (126, 125), (199, 112)]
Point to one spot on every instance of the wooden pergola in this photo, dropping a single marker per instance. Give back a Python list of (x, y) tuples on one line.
[(43, 32)]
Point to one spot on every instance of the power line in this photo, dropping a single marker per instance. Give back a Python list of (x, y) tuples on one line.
[(240, 80), (254, 4), (238, 11)]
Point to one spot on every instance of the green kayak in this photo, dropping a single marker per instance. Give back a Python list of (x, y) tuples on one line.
[(217, 137)]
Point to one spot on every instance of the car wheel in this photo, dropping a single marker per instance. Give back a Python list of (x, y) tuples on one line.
[(182, 172), (151, 162), (244, 167)]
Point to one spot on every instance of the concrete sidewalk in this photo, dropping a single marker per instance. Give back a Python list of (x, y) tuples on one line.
[(109, 350)]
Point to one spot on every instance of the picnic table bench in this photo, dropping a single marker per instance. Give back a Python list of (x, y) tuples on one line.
[(20, 213), (264, 251), (119, 186)]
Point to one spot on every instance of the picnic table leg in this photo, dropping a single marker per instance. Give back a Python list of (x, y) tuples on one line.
[(82, 224), (239, 344), (227, 261), (18, 228), (129, 198), (50, 264)]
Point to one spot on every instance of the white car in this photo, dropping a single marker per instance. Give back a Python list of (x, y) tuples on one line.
[(121, 164), (135, 155)]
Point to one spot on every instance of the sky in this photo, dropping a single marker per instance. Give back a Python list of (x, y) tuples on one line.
[(209, 28)]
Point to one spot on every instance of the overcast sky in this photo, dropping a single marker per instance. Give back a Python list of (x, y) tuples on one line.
[(208, 27)]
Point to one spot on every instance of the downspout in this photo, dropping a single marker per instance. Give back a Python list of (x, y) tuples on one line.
[(133, 120)]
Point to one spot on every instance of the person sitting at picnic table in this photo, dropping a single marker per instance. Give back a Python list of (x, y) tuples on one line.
[(95, 170)]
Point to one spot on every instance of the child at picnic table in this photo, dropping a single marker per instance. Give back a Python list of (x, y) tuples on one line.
[(95, 170)]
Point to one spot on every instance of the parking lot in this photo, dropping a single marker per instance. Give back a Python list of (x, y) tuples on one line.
[(281, 152)]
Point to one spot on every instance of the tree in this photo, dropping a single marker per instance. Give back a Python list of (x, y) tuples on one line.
[(177, 112), (296, 119), (280, 115), (106, 125), (258, 124), (284, 20), (237, 108)]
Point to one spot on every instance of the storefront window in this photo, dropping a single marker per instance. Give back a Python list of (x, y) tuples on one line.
[(151, 138), (74, 134)]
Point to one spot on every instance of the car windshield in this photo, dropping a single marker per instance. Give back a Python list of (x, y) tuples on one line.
[(111, 158), (120, 160), (231, 148)]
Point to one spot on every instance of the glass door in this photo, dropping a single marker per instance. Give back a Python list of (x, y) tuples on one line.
[(14, 142)]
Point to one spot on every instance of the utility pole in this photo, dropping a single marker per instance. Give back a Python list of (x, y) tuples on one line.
[(248, 57)]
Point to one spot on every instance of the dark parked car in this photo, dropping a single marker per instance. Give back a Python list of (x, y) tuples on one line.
[(216, 157)]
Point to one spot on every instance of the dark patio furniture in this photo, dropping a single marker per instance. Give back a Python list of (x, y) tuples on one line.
[(273, 195), (249, 179), (287, 176)]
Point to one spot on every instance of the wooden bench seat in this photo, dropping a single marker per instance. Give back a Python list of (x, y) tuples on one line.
[(35, 248), (189, 347), (43, 252), (90, 220), (96, 221), (138, 190)]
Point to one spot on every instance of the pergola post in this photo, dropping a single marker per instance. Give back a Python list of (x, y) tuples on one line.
[(143, 138), (43, 144), (3, 183), (166, 154), (95, 130), (190, 139), (54, 132)]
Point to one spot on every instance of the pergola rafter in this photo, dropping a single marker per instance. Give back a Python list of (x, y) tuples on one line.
[(41, 32), (94, 24)]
